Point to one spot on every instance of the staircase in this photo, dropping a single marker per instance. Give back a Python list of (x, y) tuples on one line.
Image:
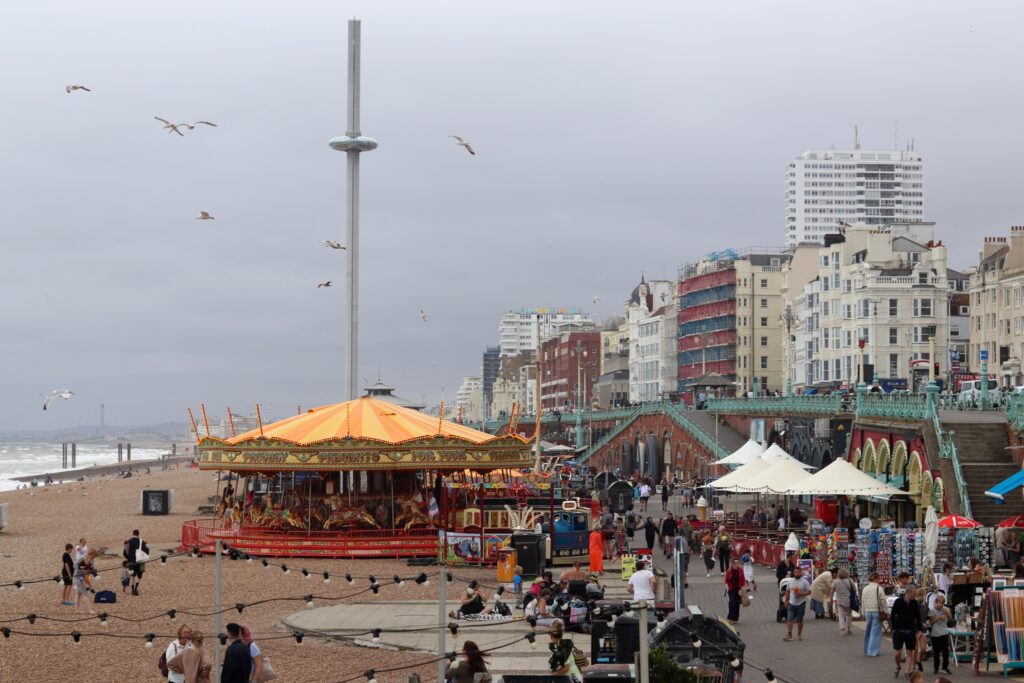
[(728, 438), (984, 461)]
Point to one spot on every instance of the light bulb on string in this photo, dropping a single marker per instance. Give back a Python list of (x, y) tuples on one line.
[(422, 579), (266, 565), (172, 614), (305, 573), (31, 618), (348, 577), (239, 606), (327, 577), (19, 585), (285, 569), (309, 601), (398, 579), (149, 640), (103, 619), (371, 676), (6, 631), (298, 637), (223, 638), (376, 635), (769, 675), (76, 636)]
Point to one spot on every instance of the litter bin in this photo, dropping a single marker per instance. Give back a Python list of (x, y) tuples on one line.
[(506, 564), (530, 553)]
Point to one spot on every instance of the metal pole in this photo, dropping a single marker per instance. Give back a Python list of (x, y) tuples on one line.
[(74, 455), (537, 395), (643, 674), (352, 275), (217, 607), (442, 664)]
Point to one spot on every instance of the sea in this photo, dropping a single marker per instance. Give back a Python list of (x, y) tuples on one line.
[(37, 458)]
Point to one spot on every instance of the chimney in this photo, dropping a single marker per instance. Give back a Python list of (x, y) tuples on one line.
[(1016, 244), (991, 246)]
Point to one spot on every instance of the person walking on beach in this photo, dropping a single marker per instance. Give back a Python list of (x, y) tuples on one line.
[(67, 574), (193, 662), (176, 647), (254, 653), (237, 661), (650, 531), (938, 618), (872, 605), (464, 670), (797, 591), (83, 569), (596, 544), (81, 550), (131, 553), (734, 583)]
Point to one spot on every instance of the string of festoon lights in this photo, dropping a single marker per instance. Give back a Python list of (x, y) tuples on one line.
[(626, 608)]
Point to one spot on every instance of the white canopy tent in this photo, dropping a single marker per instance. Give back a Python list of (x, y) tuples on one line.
[(738, 475), (840, 479), (781, 474), (775, 452), (745, 454)]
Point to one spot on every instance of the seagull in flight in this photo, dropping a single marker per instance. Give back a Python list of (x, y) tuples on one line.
[(459, 141), (192, 126), (55, 394), (332, 244), (72, 88), (205, 216), (171, 127), (596, 299), (423, 314), (325, 284)]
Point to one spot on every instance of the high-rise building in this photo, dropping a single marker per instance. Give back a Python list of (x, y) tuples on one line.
[(570, 362), (518, 328), (489, 372), (469, 398), (729, 308), (826, 187)]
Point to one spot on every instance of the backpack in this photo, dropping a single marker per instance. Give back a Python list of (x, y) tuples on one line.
[(162, 665)]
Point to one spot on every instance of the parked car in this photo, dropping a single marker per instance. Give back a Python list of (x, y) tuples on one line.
[(969, 397)]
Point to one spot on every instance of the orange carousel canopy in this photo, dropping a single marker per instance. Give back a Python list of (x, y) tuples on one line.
[(363, 434)]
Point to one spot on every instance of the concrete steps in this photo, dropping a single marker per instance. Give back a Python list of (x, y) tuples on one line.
[(984, 462)]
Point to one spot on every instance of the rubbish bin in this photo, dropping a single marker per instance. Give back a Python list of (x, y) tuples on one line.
[(506, 564), (661, 590), (530, 553)]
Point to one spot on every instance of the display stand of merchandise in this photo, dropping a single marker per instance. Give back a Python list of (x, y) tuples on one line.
[(903, 552), (1004, 627), (862, 555), (839, 549), (883, 557)]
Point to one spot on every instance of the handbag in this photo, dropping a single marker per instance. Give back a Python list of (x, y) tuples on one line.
[(883, 613), (580, 658), (141, 556), (268, 673), (745, 596), (854, 598)]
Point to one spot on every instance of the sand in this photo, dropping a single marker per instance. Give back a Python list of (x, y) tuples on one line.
[(104, 511)]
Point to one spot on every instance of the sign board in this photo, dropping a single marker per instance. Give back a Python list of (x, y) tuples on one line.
[(984, 354), (628, 566), (808, 566)]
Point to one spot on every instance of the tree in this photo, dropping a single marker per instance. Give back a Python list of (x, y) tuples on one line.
[(665, 670)]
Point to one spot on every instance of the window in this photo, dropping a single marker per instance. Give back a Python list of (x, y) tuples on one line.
[(922, 278), (848, 338), (1018, 327), (824, 284), (835, 281), (824, 260), (835, 337), (764, 362), (977, 323), (825, 338), (1006, 297), (1006, 326), (922, 308), (894, 364), (847, 286), (865, 335), (894, 336), (764, 303), (864, 308), (824, 371), (1018, 296), (965, 310), (764, 283), (954, 330), (764, 341), (835, 260), (992, 296), (764, 322), (847, 311), (824, 308), (922, 334), (894, 308)]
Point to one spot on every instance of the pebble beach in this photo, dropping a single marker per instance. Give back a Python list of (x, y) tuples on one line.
[(104, 510)]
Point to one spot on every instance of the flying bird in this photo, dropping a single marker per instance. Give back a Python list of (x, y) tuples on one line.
[(73, 88), (192, 126), (463, 143), (331, 244), (325, 284), (423, 314), (596, 299), (171, 127), (204, 216), (55, 394)]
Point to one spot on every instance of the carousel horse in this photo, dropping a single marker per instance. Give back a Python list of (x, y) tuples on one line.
[(293, 519), (222, 506), (350, 517), (236, 515), (411, 516)]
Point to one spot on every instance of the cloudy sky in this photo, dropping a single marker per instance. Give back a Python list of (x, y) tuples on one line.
[(631, 137)]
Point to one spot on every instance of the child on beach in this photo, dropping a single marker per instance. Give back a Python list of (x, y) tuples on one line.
[(517, 580), (748, 570), (126, 576)]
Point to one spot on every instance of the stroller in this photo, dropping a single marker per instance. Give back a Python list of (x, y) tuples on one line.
[(780, 611)]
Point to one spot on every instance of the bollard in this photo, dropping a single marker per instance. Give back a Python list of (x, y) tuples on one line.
[(129, 452), (64, 456)]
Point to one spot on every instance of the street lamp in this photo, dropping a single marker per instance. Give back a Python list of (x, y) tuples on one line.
[(790, 321)]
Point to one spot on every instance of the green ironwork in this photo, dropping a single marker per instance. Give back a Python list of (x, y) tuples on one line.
[(1015, 411), (782, 406), (898, 405)]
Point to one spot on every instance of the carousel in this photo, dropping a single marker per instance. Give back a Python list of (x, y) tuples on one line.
[(367, 478)]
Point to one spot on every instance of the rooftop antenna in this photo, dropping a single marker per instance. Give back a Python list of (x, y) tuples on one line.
[(856, 138)]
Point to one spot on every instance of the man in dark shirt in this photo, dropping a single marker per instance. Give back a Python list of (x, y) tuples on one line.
[(905, 620), (668, 534), (132, 546), (237, 662), (67, 571)]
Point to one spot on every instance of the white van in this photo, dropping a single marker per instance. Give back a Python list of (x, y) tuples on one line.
[(970, 395)]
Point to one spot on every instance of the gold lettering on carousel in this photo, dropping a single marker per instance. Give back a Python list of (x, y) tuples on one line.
[(265, 458)]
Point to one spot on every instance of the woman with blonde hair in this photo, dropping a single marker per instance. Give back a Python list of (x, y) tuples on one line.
[(192, 661)]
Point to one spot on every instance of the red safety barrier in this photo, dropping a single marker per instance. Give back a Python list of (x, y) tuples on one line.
[(762, 552)]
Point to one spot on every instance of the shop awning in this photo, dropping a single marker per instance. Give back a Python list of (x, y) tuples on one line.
[(1005, 486), (775, 452)]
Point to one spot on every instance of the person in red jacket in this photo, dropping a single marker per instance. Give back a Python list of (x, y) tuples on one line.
[(734, 581)]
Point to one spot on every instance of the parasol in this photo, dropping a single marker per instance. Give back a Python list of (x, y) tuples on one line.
[(1015, 522), (958, 522), (931, 537)]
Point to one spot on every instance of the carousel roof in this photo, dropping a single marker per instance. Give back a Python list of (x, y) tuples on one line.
[(365, 418)]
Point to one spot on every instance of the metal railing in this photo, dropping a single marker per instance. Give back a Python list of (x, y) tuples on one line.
[(900, 405), (809, 406)]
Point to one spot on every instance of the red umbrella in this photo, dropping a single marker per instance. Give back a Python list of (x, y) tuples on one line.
[(958, 522), (1015, 522)]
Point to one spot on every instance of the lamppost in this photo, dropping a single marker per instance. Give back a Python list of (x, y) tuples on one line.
[(790, 321), (580, 354)]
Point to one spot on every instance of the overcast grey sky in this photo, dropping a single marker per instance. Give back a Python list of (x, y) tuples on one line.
[(629, 136)]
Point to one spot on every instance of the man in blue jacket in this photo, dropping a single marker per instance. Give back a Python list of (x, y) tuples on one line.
[(237, 662)]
